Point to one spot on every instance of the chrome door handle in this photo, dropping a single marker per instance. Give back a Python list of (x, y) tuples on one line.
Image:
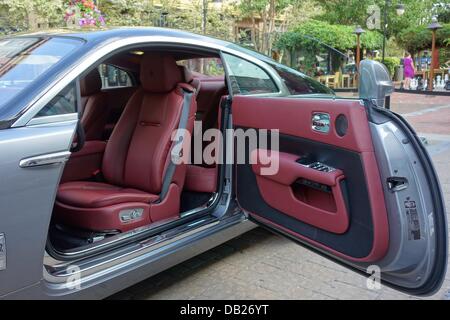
[(320, 122), (46, 159)]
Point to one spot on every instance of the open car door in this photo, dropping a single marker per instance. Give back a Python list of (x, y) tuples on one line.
[(354, 183)]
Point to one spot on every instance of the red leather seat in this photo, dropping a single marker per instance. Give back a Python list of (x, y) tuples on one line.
[(95, 106), (136, 158)]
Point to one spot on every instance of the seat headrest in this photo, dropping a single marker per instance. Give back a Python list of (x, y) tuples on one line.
[(159, 73), (91, 83)]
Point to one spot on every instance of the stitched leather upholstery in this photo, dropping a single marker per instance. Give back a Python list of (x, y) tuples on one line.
[(136, 156)]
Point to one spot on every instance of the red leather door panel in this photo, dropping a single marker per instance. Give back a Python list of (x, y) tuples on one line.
[(321, 209), (351, 219)]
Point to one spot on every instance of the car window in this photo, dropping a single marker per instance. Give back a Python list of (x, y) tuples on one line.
[(248, 78), (211, 67), (114, 77), (63, 103), (298, 83), (24, 59)]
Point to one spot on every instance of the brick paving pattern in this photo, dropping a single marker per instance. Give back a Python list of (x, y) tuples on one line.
[(261, 265)]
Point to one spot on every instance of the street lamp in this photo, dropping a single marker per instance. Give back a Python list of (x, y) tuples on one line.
[(400, 10), (358, 31), (434, 26)]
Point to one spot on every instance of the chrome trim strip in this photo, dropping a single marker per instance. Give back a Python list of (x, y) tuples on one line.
[(195, 210), (45, 159), (57, 272), (53, 119), (60, 83), (111, 241)]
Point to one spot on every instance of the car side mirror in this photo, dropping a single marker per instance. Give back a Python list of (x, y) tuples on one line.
[(375, 83)]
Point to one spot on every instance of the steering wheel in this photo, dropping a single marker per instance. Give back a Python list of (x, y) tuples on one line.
[(80, 138)]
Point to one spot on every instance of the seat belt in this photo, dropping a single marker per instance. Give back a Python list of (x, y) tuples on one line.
[(174, 155)]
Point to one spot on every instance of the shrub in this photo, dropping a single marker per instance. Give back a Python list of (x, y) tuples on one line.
[(307, 35)]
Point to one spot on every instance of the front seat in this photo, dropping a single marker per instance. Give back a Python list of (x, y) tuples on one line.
[(95, 106), (142, 184)]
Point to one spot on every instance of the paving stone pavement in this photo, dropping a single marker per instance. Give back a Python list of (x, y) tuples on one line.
[(261, 265)]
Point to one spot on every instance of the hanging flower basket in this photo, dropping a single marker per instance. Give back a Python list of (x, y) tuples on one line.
[(83, 14)]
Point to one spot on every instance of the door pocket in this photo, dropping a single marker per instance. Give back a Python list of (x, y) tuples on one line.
[(304, 193)]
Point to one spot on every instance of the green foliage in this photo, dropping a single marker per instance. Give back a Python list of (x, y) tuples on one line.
[(418, 38), (391, 63), (145, 13), (346, 12), (444, 56), (20, 13), (336, 36), (355, 12)]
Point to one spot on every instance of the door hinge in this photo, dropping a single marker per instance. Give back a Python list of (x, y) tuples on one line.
[(396, 184)]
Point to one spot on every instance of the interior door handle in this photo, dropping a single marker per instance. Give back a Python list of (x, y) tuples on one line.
[(45, 159), (320, 122)]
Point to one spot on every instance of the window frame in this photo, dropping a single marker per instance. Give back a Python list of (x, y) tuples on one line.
[(306, 78), (81, 67), (36, 120), (282, 90)]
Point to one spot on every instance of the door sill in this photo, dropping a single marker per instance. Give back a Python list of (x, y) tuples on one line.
[(58, 272), (138, 234)]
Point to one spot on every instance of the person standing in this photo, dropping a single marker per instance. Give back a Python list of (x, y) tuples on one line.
[(409, 70)]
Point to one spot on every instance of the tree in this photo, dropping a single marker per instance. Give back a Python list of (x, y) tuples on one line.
[(127, 12), (170, 13), (25, 14), (267, 11), (355, 12), (304, 43), (417, 38), (311, 34)]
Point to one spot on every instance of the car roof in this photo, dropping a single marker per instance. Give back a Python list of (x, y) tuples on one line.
[(99, 36), (93, 39)]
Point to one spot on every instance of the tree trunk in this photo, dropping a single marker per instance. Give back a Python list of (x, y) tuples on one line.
[(263, 15), (253, 34), (271, 26)]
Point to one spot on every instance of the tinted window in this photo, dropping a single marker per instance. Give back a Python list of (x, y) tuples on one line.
[(23, 60), (248, 78), (298, 83), (64, 102), (113, 77)]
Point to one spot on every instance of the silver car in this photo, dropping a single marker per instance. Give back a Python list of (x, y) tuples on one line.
[(127, 151)]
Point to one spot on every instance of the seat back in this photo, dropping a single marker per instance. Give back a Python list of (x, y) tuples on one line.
[(95, 106), (138, 151)]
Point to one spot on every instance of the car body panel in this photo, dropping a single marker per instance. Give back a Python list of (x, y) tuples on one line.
[(97, 46), (26, 198), (396, 228), (22, 135), (140, 268)]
